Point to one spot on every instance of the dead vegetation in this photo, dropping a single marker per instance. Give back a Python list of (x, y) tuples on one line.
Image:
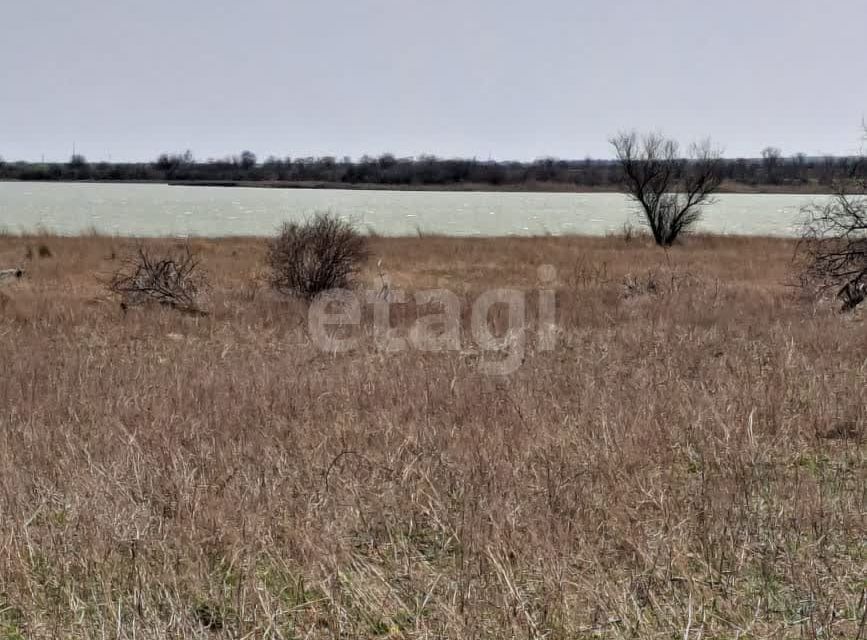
[(173, 280), (689, 464), (834, 246), (318, 255)]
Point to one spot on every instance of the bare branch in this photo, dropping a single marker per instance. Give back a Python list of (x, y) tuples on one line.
[(834, 244), (173, 281)]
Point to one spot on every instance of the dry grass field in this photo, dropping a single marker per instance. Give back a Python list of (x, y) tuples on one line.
[(689, 462)]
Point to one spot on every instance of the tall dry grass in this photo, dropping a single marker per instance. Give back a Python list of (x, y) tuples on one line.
[(688, 463)]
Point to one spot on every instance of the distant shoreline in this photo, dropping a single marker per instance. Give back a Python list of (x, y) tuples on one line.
[(539, 187)]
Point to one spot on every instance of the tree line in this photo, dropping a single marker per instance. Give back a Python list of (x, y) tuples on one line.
[(771, 169)]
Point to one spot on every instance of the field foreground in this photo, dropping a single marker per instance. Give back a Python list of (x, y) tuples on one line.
[(687, 462)]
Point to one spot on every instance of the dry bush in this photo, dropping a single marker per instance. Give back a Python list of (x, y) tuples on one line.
[(640, 285), (315, 256), (834, 248), (173, 280), (43, 251)]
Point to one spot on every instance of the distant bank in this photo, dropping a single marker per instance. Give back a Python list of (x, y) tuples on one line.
[(778, 175), (539, 187)]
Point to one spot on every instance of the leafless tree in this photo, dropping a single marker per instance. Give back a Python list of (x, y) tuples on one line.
[(309, 258), (171, 280), (671, 189), (771, 157), (834, 243), (834, 240)]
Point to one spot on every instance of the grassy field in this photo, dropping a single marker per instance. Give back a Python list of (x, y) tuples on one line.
[(688, 462)]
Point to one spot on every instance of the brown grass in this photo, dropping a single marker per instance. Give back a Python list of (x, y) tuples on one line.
[(688, 463)]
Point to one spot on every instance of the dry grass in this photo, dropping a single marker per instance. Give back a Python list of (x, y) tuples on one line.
[(688, 463)]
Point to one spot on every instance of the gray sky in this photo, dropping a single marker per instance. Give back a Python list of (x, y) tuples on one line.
[(127, 80)]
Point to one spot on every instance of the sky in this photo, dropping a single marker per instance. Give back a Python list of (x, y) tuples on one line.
[(501, 79)]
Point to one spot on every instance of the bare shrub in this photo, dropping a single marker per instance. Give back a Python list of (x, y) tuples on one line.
[(587, 274), (834, 247), (171, 280), (670, 189), (311, 257), (641, 285), (833, 244), (660, 282)]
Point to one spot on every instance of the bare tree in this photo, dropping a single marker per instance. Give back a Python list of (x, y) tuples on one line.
[(771, 157), (77, 161), (799, 162), (670, 189), (834, 242), (248, 160)]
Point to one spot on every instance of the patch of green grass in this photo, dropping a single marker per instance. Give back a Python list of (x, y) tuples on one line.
[(11, 621)]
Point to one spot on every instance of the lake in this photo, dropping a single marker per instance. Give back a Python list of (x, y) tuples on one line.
[(157, 209)]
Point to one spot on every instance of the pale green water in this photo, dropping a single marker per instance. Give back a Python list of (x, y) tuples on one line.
[(154, 210)]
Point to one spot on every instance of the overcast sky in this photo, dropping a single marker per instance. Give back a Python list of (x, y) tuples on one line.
[(126, 80)]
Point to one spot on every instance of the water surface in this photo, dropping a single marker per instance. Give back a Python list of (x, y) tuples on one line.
[(157, 209)]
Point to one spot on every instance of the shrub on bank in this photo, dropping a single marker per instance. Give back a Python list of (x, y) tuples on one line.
[(311, 257)]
